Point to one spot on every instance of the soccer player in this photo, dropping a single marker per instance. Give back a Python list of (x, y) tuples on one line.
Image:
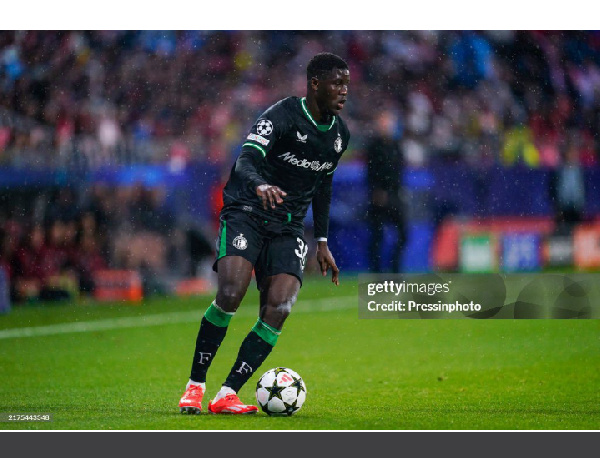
[(286, 163)]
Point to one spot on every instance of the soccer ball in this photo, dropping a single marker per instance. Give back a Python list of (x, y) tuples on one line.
[(280, 392)]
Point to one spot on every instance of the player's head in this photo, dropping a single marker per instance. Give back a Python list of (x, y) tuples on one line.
[(327, 78), (321, 65)]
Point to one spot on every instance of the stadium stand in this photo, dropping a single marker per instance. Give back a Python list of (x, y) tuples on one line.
[(96, 129)]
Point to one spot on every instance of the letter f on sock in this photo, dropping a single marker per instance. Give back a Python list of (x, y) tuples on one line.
[(244, 368)]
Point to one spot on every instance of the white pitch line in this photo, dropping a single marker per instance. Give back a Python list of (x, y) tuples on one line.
[(322, 305)]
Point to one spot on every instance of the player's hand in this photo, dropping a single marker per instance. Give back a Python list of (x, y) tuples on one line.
[(325, 260), (270, 195)]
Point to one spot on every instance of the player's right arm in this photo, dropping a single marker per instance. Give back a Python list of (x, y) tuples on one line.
[(263, 135)]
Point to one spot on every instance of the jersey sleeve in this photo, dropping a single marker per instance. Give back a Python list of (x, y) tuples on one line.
[(321, 203), (267, 129)]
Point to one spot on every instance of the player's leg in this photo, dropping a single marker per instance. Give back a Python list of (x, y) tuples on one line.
[(279, 276), (234, 275), (277, 300), (278, 295), (239, 245)]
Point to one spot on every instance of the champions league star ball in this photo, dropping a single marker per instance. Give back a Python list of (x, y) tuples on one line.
[(280, 392)]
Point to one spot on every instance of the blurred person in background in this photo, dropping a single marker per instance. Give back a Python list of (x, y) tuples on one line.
[(88, 261), (10, 234), (143, 233), (63, 207), (27, 265), (57, 262), (567, 189), (384, 170)]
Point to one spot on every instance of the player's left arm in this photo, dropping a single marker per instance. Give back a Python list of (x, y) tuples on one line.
[(321, 203)]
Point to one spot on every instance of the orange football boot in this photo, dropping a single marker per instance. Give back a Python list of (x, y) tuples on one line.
[(191, 401), (231, 404)]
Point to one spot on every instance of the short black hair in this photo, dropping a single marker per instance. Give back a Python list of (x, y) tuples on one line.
[(322, 64)]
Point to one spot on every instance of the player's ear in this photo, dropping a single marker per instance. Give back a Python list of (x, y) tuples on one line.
[(314, 83)]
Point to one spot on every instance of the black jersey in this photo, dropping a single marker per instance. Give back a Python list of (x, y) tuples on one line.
[(287, 148)]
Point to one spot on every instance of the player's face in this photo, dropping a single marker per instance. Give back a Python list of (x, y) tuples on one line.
[(333, 91)]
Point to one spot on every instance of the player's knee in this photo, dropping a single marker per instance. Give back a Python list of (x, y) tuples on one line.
[(280, 307), (229, 297), (283, 309)]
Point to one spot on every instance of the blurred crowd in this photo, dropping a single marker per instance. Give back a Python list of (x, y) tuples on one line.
[(78, 101), (54, 241), (86, 99)]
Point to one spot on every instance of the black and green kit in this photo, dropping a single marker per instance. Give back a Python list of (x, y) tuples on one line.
[(287, 148)]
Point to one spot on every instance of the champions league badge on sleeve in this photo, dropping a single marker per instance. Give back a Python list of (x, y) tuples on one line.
[(264, 127)]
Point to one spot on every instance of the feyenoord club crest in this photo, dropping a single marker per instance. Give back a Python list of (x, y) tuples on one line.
[(240, 242), (338, 144), (264, 127)]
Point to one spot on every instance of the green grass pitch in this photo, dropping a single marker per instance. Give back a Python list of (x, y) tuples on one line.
[(127, 367)]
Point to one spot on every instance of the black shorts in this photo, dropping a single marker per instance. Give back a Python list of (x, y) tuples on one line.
[(272, 247)]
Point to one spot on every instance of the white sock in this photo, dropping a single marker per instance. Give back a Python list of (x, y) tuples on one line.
[(224, 391), (191, 382)]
